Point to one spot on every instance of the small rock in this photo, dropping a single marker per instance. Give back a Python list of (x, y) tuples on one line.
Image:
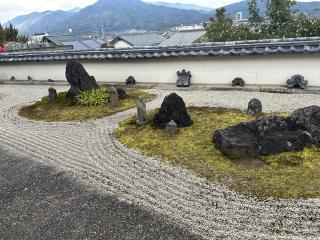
[(297, 81), (130, 80), (142, 112), (254, 107), (172, 127), (50, 80), (121, 93), (184, 78), (238, 82), (114, 98), (53, 95)]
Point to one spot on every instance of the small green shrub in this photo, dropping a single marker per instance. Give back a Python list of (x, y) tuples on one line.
[(94, 97)]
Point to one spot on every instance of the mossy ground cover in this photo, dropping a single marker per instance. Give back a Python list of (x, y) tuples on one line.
[(287, 175), (65, 110)]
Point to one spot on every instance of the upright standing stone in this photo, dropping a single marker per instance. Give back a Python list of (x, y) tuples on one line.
[(29, 78), (12, 78), (254, 107), (52, 94), (79, 79), (114, 98), (142, 111), (184, 78), (172, 127), (121, 93)]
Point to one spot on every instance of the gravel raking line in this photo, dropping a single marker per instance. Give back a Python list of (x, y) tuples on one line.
[(90, 152)]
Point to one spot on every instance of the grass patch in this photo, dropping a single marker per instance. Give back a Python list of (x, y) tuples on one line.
[(287, 175), (65, 110)]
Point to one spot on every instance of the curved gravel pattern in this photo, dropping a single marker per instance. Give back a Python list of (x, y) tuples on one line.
[(90, 152)]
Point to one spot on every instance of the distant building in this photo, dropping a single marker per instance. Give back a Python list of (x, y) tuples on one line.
[(182, 38), (37, 37), (137, 40), (239, 19), (188, 27), (77, 43)]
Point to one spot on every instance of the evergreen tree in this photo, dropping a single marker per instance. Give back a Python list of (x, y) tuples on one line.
[(255, 19), (2, 36), (280, 18), (11, 33), (219, 27)]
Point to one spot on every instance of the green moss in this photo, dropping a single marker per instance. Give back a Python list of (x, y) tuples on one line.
[(287, 175), (65, 110)]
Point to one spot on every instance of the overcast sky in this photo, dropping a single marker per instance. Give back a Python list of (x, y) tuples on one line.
[(12, 8)]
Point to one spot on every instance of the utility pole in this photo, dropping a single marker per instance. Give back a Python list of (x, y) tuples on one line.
[(102, 29), (47, 28)]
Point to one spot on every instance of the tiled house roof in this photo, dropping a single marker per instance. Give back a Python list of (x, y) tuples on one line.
[(240, 48), (184, 38), (140, 40)]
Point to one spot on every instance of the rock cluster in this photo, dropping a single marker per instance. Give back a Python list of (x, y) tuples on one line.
[(79, 79), (271, 135), (172, 108)]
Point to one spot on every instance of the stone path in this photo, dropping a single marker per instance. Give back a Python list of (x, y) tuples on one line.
[(95, 157)]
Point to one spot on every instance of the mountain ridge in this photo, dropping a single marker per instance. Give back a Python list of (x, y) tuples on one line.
[(115, 16), (112, 15)]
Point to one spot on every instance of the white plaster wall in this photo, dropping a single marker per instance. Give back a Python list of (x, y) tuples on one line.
[(259, 70), (122, 44)]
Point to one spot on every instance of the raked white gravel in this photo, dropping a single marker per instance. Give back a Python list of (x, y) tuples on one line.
[(90, 152)]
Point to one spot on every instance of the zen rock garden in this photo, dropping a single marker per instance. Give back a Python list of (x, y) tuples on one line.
[(242, 155), (210, 141)]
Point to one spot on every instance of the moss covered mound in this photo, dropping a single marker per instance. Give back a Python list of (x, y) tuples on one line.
[(288, 175), (65, 110)]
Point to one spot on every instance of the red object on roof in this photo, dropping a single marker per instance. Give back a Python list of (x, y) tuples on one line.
[(2, 48)]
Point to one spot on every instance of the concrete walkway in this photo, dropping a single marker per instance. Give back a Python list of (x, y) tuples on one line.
[(92, 155), (40, 202)]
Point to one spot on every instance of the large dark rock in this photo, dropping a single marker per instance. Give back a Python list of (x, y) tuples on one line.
[(265, 136), (308, 119), (172, 108), (278, 134), (79, 79), (239, 141)]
